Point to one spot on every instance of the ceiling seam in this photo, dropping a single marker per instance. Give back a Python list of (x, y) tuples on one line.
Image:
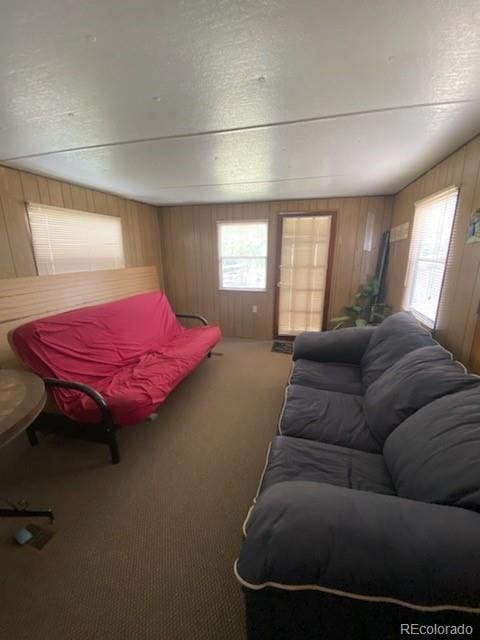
[(246, 129), (247, 182)]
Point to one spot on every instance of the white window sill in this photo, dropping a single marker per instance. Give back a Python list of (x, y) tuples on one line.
[(425, 322), (244, 290)]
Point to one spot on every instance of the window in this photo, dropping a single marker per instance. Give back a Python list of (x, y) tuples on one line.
[(65, 241), (242, 255), (432, 229)]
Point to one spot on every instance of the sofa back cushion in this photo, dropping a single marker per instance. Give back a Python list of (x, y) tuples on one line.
[(396, 336), (418, 378), (434, 456), (92, 343)]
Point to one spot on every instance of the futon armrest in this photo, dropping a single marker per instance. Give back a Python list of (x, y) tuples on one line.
[(84, 388), (343, 345), (193, 316), (305, 535)]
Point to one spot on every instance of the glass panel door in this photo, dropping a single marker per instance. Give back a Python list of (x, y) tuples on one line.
[(304, 257)]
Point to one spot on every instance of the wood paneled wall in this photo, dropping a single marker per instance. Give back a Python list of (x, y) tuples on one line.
[(461, 291), (139, 221), (24, 299), (189, 248)]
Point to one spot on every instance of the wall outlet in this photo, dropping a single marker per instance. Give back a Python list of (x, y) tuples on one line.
[(254, 308)]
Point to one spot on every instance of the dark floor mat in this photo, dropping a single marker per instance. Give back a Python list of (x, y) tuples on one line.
[(281, 346), (40, 536)]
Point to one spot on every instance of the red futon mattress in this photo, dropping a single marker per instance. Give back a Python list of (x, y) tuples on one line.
[(133, 351)]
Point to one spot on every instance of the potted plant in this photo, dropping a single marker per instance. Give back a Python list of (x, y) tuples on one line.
[(365, 309)]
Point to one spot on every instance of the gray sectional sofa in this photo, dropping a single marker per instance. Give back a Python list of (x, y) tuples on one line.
[(368, 512)]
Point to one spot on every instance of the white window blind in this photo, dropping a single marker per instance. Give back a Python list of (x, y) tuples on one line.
[(66, 241), (242, 255), (432, 230)]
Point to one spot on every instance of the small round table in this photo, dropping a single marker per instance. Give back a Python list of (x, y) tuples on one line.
[(22, 398)]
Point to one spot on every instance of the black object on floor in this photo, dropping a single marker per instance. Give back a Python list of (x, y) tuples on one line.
[(281, 346), (21, 510)]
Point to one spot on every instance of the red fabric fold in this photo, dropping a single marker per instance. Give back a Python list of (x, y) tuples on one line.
[(133, 351)]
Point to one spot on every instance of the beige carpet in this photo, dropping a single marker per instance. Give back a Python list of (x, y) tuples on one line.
[(145, 549)]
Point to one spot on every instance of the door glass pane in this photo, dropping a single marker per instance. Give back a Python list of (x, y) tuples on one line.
[(303, 273)]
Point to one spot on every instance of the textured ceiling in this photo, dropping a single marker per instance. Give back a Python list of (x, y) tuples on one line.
[(205, 101)]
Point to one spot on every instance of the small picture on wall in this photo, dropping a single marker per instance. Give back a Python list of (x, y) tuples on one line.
[(474, 227)]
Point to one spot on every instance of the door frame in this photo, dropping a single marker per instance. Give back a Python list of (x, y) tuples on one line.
[(278, 257)]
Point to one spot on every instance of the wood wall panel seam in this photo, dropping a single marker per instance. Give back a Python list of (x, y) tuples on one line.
[(459, 300), (24, 299), (140, 223), (185, 263)]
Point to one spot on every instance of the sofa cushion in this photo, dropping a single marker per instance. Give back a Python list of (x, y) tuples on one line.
[(327, 375), (326, 416), (434, 455), (308, 536), (297, 459), (414, 381), (343, 345), (396, 336)]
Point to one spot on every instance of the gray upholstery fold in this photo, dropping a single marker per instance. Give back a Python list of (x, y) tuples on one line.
[(326, 416), (343, 345), (396, 336), (418, 378), (330, 376), (434, 455), (355, 542), (297, 459)]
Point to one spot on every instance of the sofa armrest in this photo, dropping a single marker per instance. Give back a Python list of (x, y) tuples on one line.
[(343, 345), (305, 535), (193, 316), (97, 397)]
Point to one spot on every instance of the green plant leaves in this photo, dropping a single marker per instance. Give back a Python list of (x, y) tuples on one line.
[(363, 310), (340, 319)]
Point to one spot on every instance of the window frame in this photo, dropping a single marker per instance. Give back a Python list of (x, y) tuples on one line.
[(264, 221), (413, 259), (29, 205)]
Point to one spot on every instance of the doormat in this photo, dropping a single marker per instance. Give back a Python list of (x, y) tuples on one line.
[(280, 346)]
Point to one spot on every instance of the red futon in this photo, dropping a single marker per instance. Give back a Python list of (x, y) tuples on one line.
[(113, 364)]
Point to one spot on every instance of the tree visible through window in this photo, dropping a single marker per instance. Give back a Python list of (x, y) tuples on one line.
[(242, 255), (432, 230)]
